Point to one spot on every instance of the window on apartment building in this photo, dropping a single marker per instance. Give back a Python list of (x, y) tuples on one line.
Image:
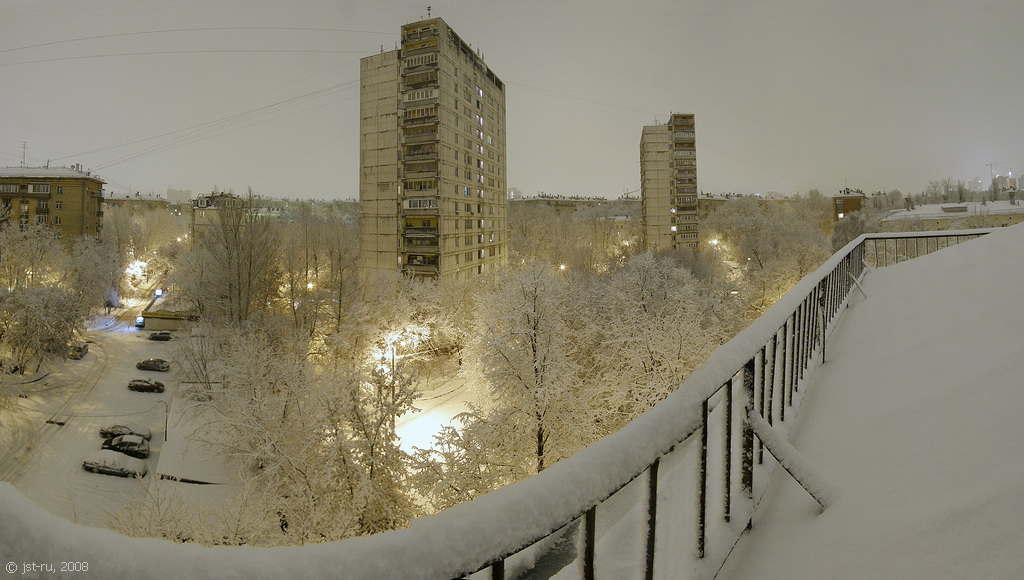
[(40, 220), (39, 188), (56, 220), (43, 204), (469, 224), (8, 188), (58, 205)]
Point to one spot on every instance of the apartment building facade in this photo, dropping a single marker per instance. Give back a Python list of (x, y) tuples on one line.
[(432, 158), (668, 183), (66, 199)]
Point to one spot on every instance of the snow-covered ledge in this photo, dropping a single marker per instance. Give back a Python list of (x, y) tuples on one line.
[(449, 544)]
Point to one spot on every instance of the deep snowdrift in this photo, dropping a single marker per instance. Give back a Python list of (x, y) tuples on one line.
[(916, 419)]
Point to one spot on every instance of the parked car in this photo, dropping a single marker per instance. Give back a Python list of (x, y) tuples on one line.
[(77, 351), (129, 445), (153, 364), (146, 386), (162, 335), (125, 428), (114, 463)]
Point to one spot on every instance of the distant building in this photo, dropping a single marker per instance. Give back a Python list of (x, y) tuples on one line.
[(204, 212), (134, 202), (178, 196), (66, 199), (568, 202), (432, 187), (955, 216), (668, 183), (847, 203)]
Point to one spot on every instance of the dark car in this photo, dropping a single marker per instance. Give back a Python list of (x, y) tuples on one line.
[(162, 335), (114, 463), (129, 445), (146, 386), (125, 428), (153, 364)]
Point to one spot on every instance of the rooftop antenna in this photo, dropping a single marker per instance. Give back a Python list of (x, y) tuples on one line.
[(428, 12), (24, 148)]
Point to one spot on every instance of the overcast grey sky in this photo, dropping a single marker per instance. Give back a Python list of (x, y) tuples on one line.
[(789, 95)]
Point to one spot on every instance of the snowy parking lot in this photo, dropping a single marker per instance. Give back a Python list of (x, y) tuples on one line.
[(67, 407)]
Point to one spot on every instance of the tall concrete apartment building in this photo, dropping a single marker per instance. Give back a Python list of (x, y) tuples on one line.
[(432, 158), (668, 183)]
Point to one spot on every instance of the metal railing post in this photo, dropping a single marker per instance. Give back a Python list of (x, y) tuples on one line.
[(702, 500), (652, 516), (589, 539), (747, 479), (727, 460)]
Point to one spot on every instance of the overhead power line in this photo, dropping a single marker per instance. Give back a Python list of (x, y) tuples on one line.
[(203, 29), (156, 52)]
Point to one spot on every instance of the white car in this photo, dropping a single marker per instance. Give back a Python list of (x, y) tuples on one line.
[(113, 463)]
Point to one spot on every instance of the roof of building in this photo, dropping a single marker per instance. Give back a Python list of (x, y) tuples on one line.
[(955, 210), (48, 173)]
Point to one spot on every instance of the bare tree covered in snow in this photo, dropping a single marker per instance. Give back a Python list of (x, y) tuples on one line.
[(772, 245), (652, 323), (38, 323), (233, 272), (538, 412), (317, 445)]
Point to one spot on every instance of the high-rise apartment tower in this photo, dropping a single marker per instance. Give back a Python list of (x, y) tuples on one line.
[(432, 158), (668, 183)]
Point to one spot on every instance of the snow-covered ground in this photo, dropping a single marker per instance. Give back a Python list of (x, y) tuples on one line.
[(916, 421), (86, 395)]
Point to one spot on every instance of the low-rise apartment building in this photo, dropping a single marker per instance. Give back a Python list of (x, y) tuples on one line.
[(67, 199)]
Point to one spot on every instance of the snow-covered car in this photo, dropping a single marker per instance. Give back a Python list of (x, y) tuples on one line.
[(153, 364), (114, 463), (146, 386), (77, 351), (162, 335), (129, 445), (125, 428)]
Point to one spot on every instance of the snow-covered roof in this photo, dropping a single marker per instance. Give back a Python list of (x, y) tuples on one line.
[(182, 457), (955, 210), (48, 173)]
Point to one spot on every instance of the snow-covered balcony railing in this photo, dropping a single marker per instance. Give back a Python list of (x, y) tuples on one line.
[(892, 248), (668, 496)]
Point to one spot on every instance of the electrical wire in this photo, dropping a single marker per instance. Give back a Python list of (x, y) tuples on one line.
[(203, 29)]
